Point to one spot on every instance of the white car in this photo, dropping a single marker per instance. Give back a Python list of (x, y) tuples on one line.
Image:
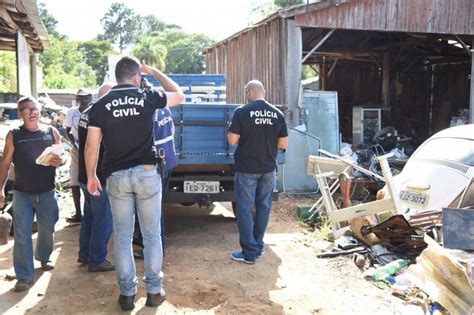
[(438, 172)]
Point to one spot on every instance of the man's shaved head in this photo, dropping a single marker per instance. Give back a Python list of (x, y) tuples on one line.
[(104, 89), (255, 85), (254, 90)]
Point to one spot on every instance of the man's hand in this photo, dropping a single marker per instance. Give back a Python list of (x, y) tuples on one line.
[(56, 161), (174, 94), (2, 199), (93, 186), (147, 69)]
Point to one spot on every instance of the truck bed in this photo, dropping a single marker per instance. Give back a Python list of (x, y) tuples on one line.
[(201, 133)]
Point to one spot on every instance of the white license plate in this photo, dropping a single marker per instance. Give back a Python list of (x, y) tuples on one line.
[(200, 187), (418, 199)]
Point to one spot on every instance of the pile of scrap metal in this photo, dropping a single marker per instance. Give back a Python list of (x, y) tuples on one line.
[(431, 202), (386, 140)]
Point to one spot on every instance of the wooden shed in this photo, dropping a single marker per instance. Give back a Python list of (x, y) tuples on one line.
[(22, 31), (411, 57)]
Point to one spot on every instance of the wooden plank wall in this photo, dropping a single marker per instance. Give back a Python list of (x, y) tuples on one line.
[(450, 84), (412, 99), (359, 83), (356, 83), (256, 54), (418, 16)]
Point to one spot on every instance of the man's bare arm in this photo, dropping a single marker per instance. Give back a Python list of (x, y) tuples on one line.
[(5, 165), (91, 157), (233, 138), (282, 142)]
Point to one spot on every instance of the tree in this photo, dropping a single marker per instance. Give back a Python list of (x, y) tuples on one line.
[(150, 25), (65, 66), (149, 50), (262, 9), (8, 79), (184, 51), (287, 3), (121, 25), (96, 53), (49, 21)]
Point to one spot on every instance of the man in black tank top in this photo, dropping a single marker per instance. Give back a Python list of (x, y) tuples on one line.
[(34, 190)]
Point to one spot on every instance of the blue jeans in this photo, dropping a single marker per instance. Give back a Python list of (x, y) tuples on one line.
[(253, 190), (138, 235), (96, 227), (25, 206), (138, 187)]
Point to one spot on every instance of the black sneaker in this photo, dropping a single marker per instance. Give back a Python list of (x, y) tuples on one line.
[(239, 257), (74, 219), (155, 300), (23, 285), (127, 302), (45, 266)]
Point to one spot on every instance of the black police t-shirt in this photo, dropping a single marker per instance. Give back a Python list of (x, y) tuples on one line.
[(82, 133), (125, 117), (259, 125)]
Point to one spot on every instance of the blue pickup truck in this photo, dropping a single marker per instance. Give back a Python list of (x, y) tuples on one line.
[(205, 171)]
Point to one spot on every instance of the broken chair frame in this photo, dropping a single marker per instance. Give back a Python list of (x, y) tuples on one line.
[(320, 168)]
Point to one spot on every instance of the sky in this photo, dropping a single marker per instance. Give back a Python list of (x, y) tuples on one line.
[(80, 19)]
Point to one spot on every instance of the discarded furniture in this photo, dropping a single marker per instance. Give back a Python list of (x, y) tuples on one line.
[(335, 215)]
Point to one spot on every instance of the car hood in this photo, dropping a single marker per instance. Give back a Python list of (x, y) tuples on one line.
[(440, 181)]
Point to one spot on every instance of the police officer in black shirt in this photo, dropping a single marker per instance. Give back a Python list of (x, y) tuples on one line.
[(259, 129), (123, 120)]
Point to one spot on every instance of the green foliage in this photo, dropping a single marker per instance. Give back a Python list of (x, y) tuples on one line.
[(49, 21), (95, 53), (184, 51), (150, 25), (263, 8), (287, 3), (121, 25), (308, 72), (65, 67), (8, 77), (151, 51)]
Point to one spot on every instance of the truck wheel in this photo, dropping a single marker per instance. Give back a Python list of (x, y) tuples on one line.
[(187, 204)]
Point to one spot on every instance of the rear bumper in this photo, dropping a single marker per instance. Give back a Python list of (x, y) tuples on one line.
[(178, 197)]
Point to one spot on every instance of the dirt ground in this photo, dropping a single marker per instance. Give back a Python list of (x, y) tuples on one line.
[(200, 277)]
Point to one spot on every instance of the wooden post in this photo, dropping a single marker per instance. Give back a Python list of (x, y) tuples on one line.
[(471, 103), (386, 80), (293, 72), (324, 75)]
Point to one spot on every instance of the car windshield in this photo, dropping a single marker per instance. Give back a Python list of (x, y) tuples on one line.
[(452, 149)]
